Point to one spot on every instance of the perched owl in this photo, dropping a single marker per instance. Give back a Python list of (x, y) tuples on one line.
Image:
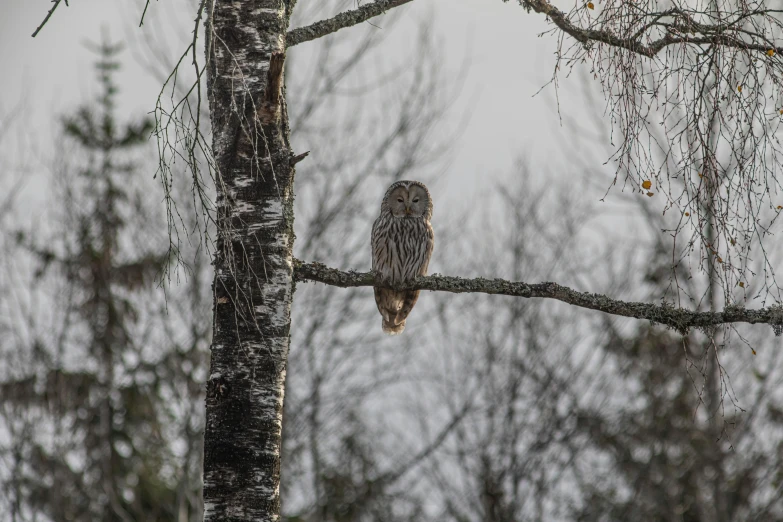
[(402, 241)]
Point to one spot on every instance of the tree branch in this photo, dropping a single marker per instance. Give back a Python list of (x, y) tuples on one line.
[(682, 30), (677, 318), (48, 15), (341, 21)]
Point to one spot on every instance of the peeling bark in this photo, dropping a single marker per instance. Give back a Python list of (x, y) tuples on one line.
[(677, 318), (253, 282)]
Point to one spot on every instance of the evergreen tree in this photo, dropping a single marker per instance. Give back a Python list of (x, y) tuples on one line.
[(692, 445), (98, 448)]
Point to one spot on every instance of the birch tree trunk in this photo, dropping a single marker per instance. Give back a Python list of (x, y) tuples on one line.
[(253, 281)]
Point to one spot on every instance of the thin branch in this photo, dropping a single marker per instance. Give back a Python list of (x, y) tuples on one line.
[(146, 5), (684, 30), (341, 21), (392, 476), (678, 318), (49, 15), (299, 157)]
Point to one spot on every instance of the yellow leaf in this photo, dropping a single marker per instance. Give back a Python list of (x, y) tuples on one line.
[(754, 351), (742, 284), (590, 5), (739, 88), (733, 242), (781, 111), (771, 52), (780, 207), (650, 194), (720, 260), (699, 173), (687, 214), (646, 184)]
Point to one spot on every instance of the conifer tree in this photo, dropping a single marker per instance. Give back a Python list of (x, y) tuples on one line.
[(102, 398)]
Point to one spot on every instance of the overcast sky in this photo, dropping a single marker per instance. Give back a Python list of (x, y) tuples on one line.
[(53, 72)]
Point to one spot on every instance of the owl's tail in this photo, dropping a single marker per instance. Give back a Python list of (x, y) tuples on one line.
[(391, 328)]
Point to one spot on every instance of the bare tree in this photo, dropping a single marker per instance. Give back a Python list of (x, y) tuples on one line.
[(337, 435), (581, 417), (330, 472), (634, 49)]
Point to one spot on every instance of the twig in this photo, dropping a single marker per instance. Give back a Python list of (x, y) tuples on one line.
[(146, 5), (341, 21), (299, 157), (683, 31), (678, 318), (49, 15), (392, 476)]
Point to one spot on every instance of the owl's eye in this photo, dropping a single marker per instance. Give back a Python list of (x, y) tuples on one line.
[(400, 200), (416, 200)]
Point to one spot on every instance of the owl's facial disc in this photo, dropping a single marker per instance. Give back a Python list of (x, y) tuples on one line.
[(398, 202), (408, 201), (418, 201)]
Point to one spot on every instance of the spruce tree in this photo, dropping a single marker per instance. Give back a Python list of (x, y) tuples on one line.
[(95, 391)]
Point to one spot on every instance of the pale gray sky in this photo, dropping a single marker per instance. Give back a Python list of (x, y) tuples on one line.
[(53, 72)]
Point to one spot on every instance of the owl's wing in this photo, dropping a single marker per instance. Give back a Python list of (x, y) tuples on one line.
[(429, 244), (375, 244), (406, 300), (395, 306)]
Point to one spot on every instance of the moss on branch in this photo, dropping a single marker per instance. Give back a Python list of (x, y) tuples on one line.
[(679, 319)]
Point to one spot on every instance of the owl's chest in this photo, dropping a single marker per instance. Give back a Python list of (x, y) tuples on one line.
[(400, 247)]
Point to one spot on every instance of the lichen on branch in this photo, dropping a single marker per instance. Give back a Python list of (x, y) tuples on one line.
[(679, 319), (340, 21)]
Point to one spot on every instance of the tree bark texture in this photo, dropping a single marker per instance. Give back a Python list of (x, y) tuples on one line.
[(253, 281)]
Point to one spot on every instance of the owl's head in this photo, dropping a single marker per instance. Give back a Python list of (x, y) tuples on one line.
[(408, 199)]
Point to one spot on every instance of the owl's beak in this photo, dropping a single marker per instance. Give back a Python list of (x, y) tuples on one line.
[(407, 211)]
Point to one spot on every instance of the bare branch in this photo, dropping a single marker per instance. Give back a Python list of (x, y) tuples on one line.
[(49, 15), (393, 475), (341, 21), (299, 157), (682, 29), (678, 318), (143, 13)]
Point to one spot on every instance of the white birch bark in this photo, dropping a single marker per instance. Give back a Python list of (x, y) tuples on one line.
[(253, 281)]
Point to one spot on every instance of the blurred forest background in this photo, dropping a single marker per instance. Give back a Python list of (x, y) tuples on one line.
[(487, 409)]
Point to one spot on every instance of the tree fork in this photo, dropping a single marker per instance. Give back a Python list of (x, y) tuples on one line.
[(253, 281)]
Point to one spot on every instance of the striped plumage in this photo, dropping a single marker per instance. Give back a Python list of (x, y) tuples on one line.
[(402, 241)]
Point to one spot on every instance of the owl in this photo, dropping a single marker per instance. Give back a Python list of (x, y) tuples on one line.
[(402, 241)]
